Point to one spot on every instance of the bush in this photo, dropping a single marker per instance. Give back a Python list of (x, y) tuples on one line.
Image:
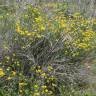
[(41, 55)]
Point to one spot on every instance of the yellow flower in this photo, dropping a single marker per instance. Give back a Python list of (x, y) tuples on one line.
[(13, 73), (36, 94), (43, 74), (42, 27), (52, 78), (20, 91), (8, 69), (7, 57), (46, 90), (22, 32), (29, 34), (44, 87), (36, 86), (50, 68), (88, 33), (83, 45), (39, 19), (63, 23), (18, 28), (9, 78), (1, 72), (26, 32), (38, 71), (22, 84)]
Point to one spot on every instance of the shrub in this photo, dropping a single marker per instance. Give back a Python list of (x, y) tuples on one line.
[(40, 53)]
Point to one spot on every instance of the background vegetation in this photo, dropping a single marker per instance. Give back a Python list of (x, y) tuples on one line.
[(47, 48)]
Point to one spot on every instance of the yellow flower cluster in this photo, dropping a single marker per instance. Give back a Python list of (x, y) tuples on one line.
[(63, 23), (25, 33), (44, 90), (47, 76), (37, 23), (83, 46), (1, 72), (88, 34), (75, 29)]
